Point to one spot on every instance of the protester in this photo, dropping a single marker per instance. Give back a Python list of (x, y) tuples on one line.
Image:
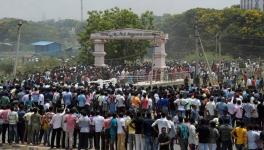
[(157, 116)]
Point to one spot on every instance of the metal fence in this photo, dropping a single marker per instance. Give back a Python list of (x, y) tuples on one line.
[(157, 76)]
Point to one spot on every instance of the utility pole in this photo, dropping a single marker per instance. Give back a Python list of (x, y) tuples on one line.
[(216, 42), (196, 36), (153, 63), (196, 44), (19, 25), (81, 10), (219, 45)]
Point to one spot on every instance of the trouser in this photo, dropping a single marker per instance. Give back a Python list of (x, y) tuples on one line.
[(106, 140), (83, 140), (192, 146), (69, 137), (139, 142), (28, 133), (57, 133), (12, 133), (156, 143), (203, 146), (183, 144), (212, 146), (91, 137), (188, 113), (21, 131), (227, 145), (63, 139), (97, 137), (182, 113), (75, 135), (1, 128), (103, 140), (172, 143), (41, 134), (35, 135), (240, 146), (121, 141), (148, 143), (45, 134), (112, 141), (131, 141), (49, 134), (4, 129)]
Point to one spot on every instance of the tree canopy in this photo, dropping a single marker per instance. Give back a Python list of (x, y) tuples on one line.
[(241, 32), (117, 50)]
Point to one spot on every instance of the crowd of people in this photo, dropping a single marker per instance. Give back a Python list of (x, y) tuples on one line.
[(61, 109)]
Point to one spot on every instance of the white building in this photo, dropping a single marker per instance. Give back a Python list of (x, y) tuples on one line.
[(252, 4)]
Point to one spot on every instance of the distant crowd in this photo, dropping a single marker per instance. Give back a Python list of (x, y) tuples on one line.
[(60, 108)]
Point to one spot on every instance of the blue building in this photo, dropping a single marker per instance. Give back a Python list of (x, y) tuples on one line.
[(47, 48)]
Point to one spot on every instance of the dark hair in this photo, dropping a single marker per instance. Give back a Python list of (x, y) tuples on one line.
[(148, 115), (192, 121), (121, 115), (114, 115), (213, 124), (180, 119), (250, 127), (163, 114), (238, 122)]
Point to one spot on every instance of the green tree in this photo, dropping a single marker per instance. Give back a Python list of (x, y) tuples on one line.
[(115, 18), (241, 31)]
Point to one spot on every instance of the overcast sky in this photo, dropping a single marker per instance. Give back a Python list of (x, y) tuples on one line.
[(62, 9)]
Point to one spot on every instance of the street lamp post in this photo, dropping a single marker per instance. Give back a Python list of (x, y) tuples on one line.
[(153, 63), (19, 25), (81, 10)]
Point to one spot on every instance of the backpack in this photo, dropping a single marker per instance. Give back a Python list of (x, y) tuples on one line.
[(183, 131)]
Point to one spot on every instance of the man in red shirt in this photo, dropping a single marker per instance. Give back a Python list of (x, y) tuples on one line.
[(70, 120)]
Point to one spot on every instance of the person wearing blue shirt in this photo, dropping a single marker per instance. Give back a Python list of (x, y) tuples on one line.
[(113, 131), (81, 100), (164, 103), (148, 132), (67, 97), (221, 106)]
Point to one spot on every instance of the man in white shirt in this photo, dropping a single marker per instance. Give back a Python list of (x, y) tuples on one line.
[(252, 137), (121, 130), (84, 123), (56, 123), (41, 100), (195, 101), (181, 103), (162, 122), (210, 108), (12, 129), (120, 99), (99, 124)]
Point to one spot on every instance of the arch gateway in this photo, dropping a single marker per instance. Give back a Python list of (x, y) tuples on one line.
[(159, 38)]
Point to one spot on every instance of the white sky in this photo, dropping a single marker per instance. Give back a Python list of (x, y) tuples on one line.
[(65, 9)]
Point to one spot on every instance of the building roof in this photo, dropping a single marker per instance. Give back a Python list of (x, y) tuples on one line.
[(42, 43)]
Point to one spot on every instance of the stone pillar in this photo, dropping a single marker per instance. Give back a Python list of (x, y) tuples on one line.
[(160, 58), (99, 53)]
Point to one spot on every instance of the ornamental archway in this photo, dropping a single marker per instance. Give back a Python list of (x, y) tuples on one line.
[(100, 38)]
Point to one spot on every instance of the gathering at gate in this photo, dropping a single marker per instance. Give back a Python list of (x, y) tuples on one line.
[(61, 111)]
